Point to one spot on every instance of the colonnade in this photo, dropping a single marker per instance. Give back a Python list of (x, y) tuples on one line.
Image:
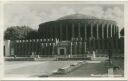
[(30, 47), (96, 31)]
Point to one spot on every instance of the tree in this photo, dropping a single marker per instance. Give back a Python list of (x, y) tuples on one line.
[(33, 35), (17, 32)]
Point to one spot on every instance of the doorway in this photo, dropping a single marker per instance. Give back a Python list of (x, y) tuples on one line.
[(61, 51)]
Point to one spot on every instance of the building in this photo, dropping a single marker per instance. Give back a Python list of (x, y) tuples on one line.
[(72, 35), (85, 33)]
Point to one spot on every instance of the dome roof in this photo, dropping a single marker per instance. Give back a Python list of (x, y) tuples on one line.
[(77, 16)]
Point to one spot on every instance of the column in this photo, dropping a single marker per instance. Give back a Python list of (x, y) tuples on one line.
[(76, 47), (107, 30), (90, 41), (97, 31), (102, 31), (111, 30), (117, 32), (72, 30), (85, 34), (84, 47), (79, 30), (114, 31), (102, 41), (71, 49), (92, 37), (94, 44), (91, 30)]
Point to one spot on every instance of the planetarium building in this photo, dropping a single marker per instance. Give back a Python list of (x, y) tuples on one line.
[(79, 26), (79, 34), (75, 34)]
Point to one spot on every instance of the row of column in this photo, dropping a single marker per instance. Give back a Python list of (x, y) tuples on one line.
[(102, 31), (36, 48), (77, 48)]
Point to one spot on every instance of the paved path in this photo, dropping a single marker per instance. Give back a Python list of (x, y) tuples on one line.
[(33, 69), (42, 68), (16, 65), (87, 70)]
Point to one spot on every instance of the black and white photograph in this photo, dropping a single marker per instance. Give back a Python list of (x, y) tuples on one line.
[(52, 39)]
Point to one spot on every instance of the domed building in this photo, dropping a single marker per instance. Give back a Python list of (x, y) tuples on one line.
[(85, 33), (75, 35), (78, 26)]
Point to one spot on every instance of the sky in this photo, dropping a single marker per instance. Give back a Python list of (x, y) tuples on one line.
[(33, 13)]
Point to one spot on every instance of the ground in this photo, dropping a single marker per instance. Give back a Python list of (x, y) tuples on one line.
[(88, 69), (32, 68), (44, 68)]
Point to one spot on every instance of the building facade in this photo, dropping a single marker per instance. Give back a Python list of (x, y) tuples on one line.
[(75, 34)]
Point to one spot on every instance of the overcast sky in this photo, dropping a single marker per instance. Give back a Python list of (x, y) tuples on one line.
[(32, 14)]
